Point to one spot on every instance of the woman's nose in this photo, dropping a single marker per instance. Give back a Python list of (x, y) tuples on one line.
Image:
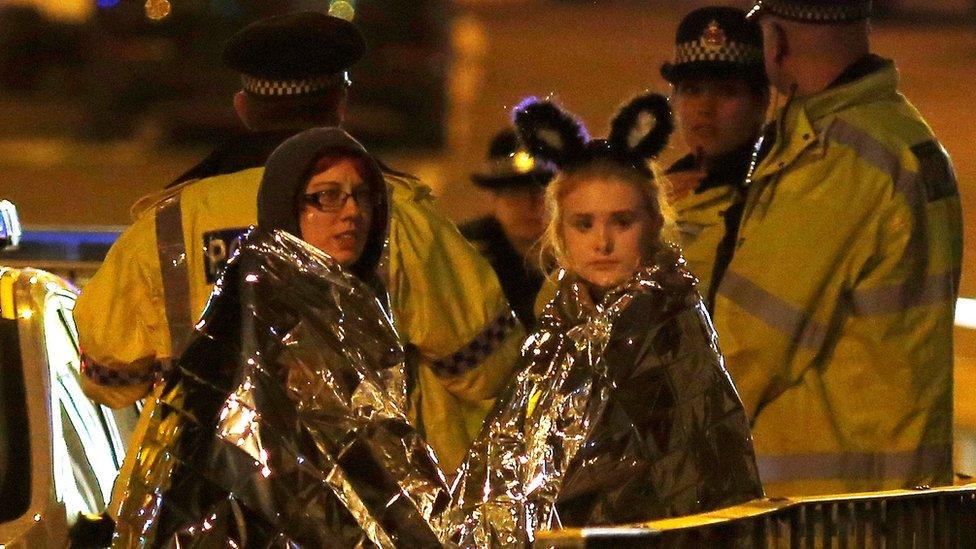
[(604, 242), (351, 208)]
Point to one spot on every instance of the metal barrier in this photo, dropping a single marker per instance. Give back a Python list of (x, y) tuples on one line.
[(924, 518)]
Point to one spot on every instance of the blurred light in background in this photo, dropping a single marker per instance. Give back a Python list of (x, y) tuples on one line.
[(157, 9), (67, 11), (343, 9), (107, 3), (966, 313), (523, 162)]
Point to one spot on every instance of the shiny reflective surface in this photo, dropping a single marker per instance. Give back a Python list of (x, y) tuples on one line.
[(59, 451), (623, 412), (285, 423)]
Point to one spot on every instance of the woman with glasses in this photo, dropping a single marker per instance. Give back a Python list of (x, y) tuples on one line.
[(324, 188), (285, 422)]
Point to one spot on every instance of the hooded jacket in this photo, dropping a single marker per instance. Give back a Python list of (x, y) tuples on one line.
[(284, 423), (286, 176)]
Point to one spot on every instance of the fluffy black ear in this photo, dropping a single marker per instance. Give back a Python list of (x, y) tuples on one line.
[(643, 126), (548, 132)]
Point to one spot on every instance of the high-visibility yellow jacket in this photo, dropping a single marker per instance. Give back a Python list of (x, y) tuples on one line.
[(836, 312), (447, 303), (700, 229), (700, 215)]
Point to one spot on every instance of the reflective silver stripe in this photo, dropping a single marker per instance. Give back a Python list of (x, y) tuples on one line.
[(940, 288), (906, 182), (174, 272), (794, 323), (876, 154), (922, 462)]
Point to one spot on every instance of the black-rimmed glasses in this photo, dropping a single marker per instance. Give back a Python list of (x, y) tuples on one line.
[(333, 200)]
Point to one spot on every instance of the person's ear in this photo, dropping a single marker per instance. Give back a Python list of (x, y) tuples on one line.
[(240, 107)]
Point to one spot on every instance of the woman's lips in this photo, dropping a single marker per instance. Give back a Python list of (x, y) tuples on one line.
[(348, 239), (604, 263)]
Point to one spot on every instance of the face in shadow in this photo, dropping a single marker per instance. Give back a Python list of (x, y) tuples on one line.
[(718, 115)]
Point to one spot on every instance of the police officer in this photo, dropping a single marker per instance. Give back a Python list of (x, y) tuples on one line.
[(509, 235), (836, 311), (135, 314), (720, 95)]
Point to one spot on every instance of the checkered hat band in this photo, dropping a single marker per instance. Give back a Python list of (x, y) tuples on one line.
[(817, 13), (732, 52), (282, 88), (479, 349), (109, 377)]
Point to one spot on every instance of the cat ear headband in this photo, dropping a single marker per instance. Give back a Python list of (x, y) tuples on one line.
[(639, 132)]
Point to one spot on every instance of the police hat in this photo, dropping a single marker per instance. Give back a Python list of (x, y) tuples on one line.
[(826, 12), (716, 41), (510, 166), (294, 54)]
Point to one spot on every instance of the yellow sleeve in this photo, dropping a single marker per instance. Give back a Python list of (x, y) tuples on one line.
[(896, 347), (446, 299), (546, 294), (121, 319)]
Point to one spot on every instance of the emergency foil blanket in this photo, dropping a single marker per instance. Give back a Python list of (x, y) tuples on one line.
[(623, 412), (284, 425)]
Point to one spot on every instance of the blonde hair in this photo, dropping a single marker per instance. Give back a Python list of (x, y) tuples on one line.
[(552, 245)]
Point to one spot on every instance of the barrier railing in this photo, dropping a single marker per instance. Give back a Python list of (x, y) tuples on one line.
[(924, 518)]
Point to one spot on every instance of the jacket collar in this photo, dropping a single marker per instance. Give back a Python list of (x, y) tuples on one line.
[(238, 153), (850, 90), (803, 122), (730, 169)]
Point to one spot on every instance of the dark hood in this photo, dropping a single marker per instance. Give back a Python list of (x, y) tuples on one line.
[(286, 175)]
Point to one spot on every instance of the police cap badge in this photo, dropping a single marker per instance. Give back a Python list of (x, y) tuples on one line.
[(716, 41)]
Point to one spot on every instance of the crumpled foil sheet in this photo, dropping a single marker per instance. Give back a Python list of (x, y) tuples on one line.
[(623, 412), (284, 425)]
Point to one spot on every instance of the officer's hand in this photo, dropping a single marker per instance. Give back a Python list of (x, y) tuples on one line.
[(681, 184)]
